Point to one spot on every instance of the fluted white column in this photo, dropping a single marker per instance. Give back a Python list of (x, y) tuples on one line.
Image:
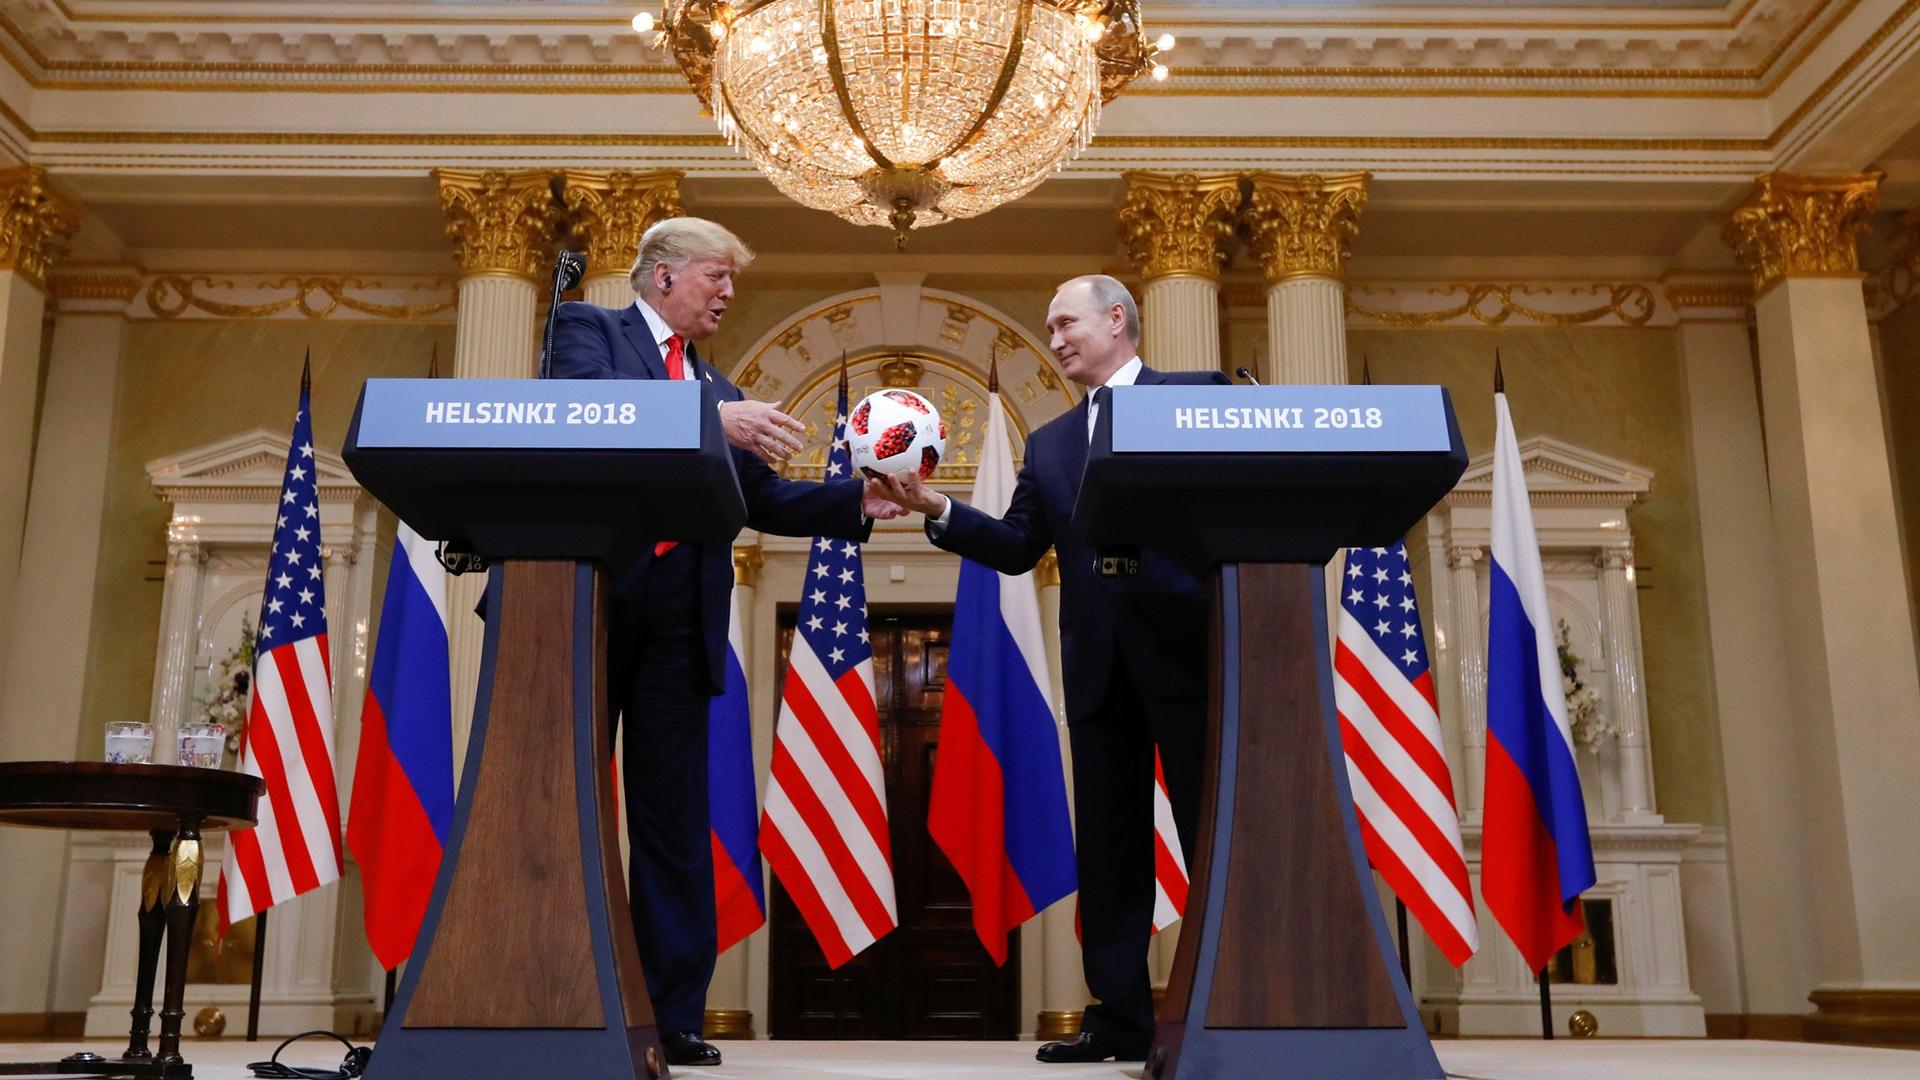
[(609, 291), (1175, 228), (1307, 331), (1620, 623), (502, 223), (179, 632), (610, 211), (1299, 228), (1464, 638)]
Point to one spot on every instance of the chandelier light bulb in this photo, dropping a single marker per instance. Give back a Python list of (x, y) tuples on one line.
[(1164, 43), (718, 30), (643, 22), (1159, 73), (1095, 30)]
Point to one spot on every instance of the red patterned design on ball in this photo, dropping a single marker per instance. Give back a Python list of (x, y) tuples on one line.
[(929, 460), (943, 429), (893, 442), (911, 401), (858, 421)]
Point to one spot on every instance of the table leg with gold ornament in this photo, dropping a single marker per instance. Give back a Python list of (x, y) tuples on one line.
[(182, 888), (153, 925)]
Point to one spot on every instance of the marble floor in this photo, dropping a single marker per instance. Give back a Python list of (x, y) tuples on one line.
[(1465, 1059)]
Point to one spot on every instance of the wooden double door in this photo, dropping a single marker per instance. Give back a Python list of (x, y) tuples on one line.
[(929, 978)]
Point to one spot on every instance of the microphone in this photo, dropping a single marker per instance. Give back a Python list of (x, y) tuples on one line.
[(1247, 375), (568, 268)]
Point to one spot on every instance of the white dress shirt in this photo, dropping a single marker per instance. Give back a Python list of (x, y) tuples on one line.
[(661, 332)]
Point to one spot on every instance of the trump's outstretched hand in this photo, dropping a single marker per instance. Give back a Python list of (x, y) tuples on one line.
[(907, 490), (875, 504), (761, 429)]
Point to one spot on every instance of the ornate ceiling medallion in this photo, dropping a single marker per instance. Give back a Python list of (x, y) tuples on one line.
[(908, 113)]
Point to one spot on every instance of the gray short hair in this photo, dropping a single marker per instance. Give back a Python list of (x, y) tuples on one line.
[(680, 240), (1108, 291)]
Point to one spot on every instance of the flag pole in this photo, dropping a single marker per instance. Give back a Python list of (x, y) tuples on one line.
[(993, 375), (386, 1007), (1406, 955), (1499, 377), (1546, 1005), (259, 963)]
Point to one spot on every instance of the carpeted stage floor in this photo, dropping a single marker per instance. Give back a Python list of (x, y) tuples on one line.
[(1469, 1059)]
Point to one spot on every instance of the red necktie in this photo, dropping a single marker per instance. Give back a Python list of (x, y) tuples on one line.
[(676, 369)]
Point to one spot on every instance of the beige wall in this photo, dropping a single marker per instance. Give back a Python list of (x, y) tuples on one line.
[(1618, 392), (191, 382)]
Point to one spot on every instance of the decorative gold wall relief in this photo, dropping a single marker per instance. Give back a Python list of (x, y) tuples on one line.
[(170, 296), (1489, 304), (611, 210), (504, 222), (1794, 225), (1178, 224), (1300, 226), (35, 223)]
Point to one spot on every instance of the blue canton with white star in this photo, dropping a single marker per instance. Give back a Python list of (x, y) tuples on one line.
[(833, 602), (1377, 590), (295, 605)]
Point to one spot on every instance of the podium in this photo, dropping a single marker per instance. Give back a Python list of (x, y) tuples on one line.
[(526, 964), (1284, 968)]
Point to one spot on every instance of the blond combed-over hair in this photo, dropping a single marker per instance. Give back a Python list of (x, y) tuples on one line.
[(677, 241)]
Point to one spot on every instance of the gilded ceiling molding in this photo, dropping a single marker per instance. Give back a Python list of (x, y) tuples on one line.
[(1698, 295), (35, 223), (96, 287), (611, 209), (172, 296), (1179, 223), (1299, 226), (1794, 225), (503, 221)]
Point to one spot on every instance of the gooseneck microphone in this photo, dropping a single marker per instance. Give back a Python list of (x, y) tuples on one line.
[(1247, 375), (568, 269)]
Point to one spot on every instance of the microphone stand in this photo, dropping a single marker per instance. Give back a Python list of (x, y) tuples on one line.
[(567, 271)]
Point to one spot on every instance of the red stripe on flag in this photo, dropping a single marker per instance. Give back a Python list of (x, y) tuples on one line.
[(1419, 902), (860, 700), (1402, 805), (1424, 753), (316, 755), (737, 913), (263, 749), (1520, 865), (819, 823), (1172, 876), (793, 877), (853, 783), (393, 840), (966, 817), (243, 853)]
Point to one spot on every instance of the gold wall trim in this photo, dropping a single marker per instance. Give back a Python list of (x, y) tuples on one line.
[(1799, 225), (1490, 304), (1057, 1024), (728, 1024), (1880, 1017), (1709, 295), (170, 296)]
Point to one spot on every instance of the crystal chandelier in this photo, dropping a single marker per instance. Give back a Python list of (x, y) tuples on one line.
[(908, 113)]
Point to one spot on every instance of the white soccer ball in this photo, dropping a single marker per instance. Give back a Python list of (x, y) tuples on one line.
[(896, 431)]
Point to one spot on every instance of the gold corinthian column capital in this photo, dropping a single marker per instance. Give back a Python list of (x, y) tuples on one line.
[(611, 209), (503, 221), (1299, 226), (35, 223), (1178, 224), (1794, 225)]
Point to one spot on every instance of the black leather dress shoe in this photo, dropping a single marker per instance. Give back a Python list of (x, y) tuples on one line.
[(688, 1048), (1087, 1046)]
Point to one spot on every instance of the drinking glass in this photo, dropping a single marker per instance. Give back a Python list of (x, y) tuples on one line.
[(129, 742), (200, 745)]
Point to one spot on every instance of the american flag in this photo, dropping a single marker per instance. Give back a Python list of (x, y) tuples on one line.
[(1390, 730), (295, 846), (1169, 862), (824, 826)]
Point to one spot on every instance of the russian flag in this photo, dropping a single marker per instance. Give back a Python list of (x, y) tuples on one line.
[(402, 803), (999, 759), (739, 890), (1536, 857)]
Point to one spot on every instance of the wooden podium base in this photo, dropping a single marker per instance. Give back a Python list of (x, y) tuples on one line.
[(1284, 968), (526, 964)]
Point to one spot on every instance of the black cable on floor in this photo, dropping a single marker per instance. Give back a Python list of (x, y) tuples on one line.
[(354, 1065)]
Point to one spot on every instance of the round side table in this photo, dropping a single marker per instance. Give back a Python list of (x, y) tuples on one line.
[(175, 805)]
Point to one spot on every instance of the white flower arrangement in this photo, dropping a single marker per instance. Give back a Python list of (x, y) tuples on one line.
[(232, 690), (1591, 728)]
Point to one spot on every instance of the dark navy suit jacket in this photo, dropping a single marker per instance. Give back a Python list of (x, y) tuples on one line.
[(1155, 623), (592, 342)]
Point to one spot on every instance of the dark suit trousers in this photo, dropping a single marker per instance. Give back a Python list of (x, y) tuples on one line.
[(658, 671), (1113, 818)]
